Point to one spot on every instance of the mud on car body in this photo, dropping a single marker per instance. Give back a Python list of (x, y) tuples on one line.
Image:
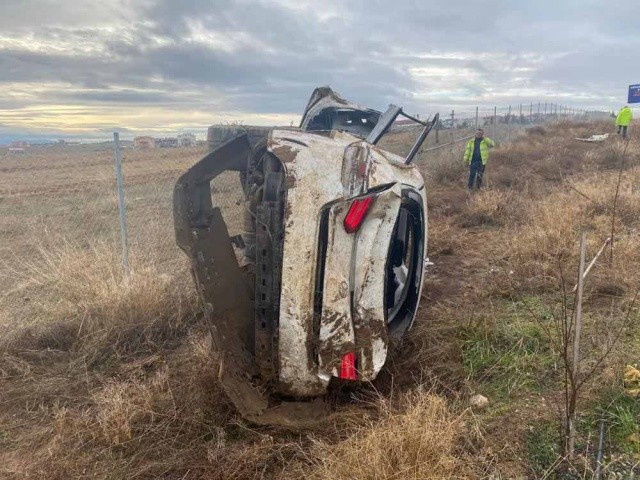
[(329, 267)]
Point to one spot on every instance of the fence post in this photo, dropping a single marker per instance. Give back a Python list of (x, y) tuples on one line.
[(437, 130), (538, 112), (530, 111), (520, 119), (509, 125), (121, 207), (476, 118), (576, 341), (453, 120), (495, 122)]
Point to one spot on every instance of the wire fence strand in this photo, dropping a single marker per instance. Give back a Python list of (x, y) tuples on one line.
[(58, 195)]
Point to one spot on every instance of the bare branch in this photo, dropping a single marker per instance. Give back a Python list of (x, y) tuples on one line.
[(615, 202)]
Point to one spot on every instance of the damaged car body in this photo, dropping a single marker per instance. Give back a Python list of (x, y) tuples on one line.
[(329, 267)]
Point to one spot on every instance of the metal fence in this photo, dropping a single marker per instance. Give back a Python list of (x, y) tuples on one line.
[(501, 123), (67, 195)]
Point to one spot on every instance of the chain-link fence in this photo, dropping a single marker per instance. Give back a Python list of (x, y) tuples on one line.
[(48, 195), (67, 194)]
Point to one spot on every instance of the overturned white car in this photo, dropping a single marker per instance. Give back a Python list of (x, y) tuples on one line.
[(334, 248)]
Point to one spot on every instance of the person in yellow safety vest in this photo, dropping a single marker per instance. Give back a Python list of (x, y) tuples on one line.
[(623, 120), (476, 155)]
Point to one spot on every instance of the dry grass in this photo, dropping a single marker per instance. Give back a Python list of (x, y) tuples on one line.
[(155, 417), (102, 379), (444, 238), (547, 240), (523, 194), (513, 242), (78, 301), (419, 438), (443, 170), (492, 208)]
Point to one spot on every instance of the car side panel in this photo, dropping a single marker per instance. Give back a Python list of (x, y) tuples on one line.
[(370, 259), (313, 167), (336, 335)]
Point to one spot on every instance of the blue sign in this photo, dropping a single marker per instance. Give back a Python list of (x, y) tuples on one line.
[(634, 93)]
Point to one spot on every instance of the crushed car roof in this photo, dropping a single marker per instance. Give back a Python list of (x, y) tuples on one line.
[(324, 100)]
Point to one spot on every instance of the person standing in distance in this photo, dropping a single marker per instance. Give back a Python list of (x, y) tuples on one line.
[(476, 155), (623, 120)]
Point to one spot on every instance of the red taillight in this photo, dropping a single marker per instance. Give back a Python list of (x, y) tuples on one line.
[(348, 367), (357, 212)]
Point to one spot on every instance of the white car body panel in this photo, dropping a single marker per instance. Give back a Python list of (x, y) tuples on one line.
[(314, 176)]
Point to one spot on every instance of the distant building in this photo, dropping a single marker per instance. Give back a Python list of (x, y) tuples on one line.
[(167, 142), (186, 140), (144, 143), (18, 148)]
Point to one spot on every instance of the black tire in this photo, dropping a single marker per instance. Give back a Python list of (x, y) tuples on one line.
[(405, 262)]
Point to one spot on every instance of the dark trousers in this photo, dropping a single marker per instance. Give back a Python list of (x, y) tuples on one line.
[(624, 130), (476, 170)]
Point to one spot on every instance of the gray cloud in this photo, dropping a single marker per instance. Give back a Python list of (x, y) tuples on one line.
[(258, 57)]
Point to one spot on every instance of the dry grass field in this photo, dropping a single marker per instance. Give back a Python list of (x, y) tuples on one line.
[(103, 379)]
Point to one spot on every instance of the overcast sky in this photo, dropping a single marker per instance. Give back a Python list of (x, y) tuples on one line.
[(88, 67)]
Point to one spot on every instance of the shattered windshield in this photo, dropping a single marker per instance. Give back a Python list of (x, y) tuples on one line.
[(356, 122)]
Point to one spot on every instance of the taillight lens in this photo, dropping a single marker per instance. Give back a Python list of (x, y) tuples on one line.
[(357, 213), (348, 367)]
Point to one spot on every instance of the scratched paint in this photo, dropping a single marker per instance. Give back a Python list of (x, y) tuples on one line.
[(314, 165), (336, 336)]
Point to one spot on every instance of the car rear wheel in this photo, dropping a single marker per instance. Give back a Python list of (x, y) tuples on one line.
[(404, 265)]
